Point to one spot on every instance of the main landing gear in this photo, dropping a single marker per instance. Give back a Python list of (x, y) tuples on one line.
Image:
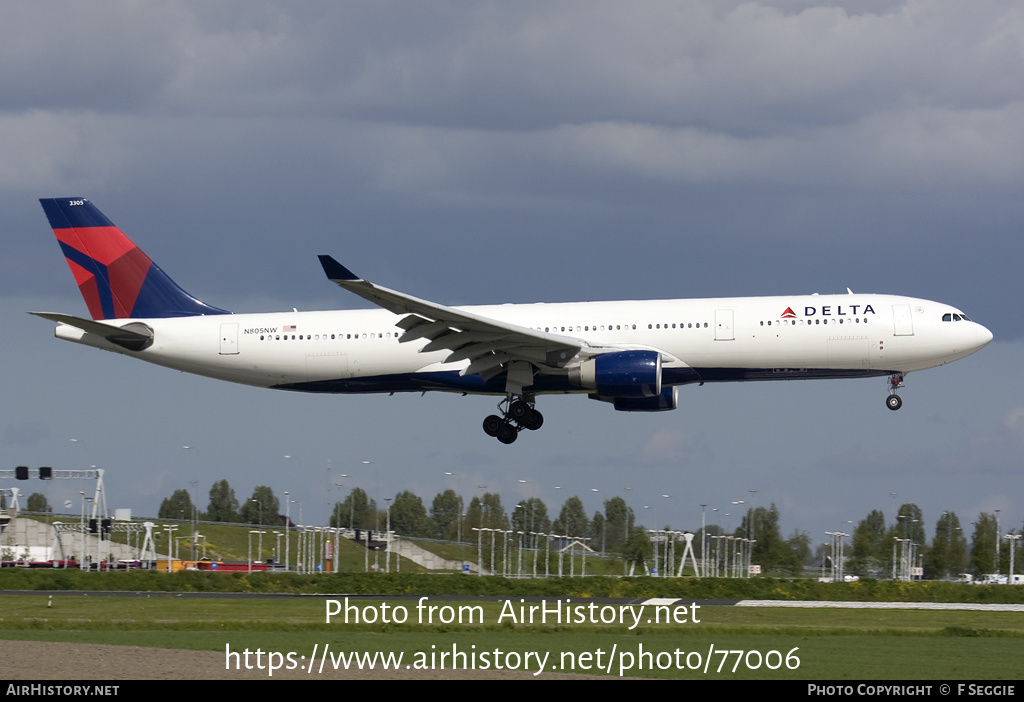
[(894, 401), (517, 413)]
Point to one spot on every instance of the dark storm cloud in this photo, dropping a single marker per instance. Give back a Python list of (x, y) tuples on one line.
[(786, 129), (773, 66), (528, 103)]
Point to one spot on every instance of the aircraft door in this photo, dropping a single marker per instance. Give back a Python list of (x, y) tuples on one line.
[(903, 322), (724, 325), (229, 339)]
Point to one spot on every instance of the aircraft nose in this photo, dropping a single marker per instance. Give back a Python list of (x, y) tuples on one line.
[(984, 336)]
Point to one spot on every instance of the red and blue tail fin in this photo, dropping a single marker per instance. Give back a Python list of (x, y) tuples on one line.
[(116, 278)]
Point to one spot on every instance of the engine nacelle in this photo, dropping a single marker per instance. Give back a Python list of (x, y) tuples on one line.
[(667, 400), (624, 374)]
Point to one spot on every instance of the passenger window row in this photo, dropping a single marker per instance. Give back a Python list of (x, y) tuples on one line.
[(621, 327), (810, 323), (325, 337)]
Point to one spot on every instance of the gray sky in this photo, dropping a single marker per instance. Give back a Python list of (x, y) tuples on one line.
[(482, 152)]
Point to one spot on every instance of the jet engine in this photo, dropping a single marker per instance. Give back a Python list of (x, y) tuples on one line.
[(622, 374)]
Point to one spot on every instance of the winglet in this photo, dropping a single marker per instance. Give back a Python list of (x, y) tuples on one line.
[(336, 271)]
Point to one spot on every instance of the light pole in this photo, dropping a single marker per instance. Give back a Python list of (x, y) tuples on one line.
[(997, 543), (327, 501), (376, 496), (492, 549), (287, 531), (482, 488), (529, 527), (547, 554), (335, 513), (81, 528), (251, 532), (703, 541), (657, 566), (287, 538), (298, 543), (751, 531), (479, 550), (387, 538), (651, 531), (170, 529), (1012, 538), (351, 504), (625, 531), (604, 524), (192, 498), (259, 504), (833, 549), (193, 517), (519, 561), (458, 517)]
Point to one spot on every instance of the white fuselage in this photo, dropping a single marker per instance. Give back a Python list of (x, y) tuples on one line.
[(759, 338)]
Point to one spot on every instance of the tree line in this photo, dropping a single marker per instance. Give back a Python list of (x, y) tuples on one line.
[(261, 508), (874, 547), (877, 545)]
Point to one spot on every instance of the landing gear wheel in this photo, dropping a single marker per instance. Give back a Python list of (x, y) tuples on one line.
[(533, 421), (519, 410), (492, 423), (507, 433), (516, 413), (894, 402)]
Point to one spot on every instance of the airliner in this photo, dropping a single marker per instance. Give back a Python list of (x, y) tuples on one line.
[(633, 355)]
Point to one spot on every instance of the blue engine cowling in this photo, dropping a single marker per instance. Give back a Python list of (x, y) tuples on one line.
[(623, 374)]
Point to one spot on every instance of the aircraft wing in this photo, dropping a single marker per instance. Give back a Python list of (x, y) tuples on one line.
[(486, 343)]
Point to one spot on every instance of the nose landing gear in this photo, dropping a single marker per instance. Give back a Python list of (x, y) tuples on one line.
[(517, 413), (894, 401)]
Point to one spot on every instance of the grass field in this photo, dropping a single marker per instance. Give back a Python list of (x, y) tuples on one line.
[(829, 644)]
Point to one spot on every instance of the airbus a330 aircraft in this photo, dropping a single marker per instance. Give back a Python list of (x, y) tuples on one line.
[(632, 354)]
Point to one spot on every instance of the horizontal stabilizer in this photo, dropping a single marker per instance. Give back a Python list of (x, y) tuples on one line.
[(134, 336)]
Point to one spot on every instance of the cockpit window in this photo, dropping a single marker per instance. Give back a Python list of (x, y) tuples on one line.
[(955, 317)]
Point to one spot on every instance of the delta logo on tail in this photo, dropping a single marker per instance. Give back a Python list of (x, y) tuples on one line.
[(116, 278)]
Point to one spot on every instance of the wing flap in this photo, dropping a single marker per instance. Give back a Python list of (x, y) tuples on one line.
[(430, 330), (411, 321), (456, 340), (488, 362)]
